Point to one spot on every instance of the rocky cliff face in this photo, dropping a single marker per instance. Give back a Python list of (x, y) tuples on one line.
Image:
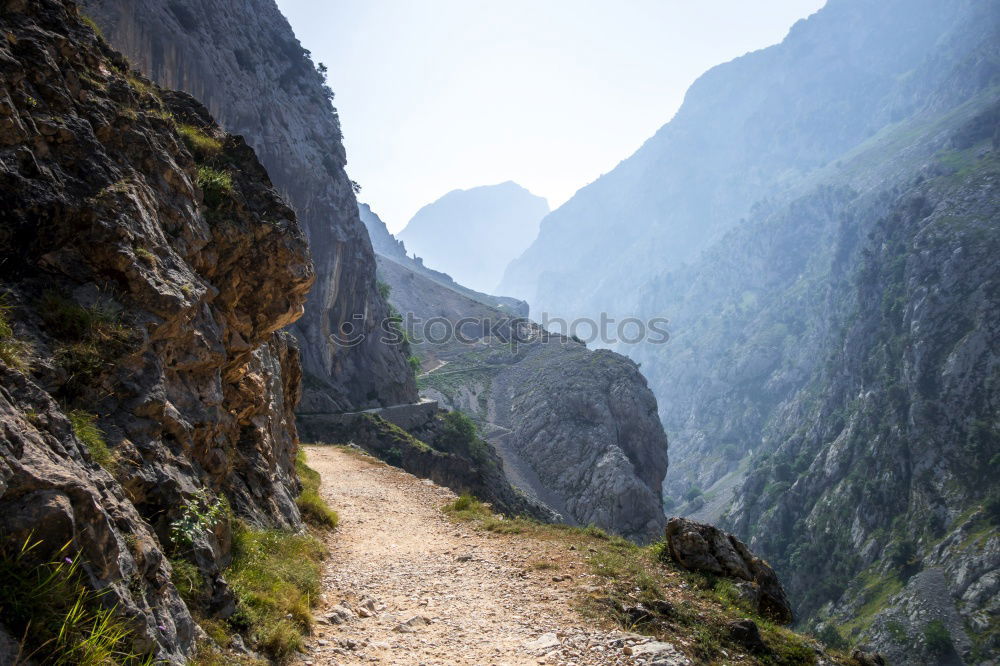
[(888, 451), (820, 405), (147, 267), (241, 58), (576, 429), (825, 374), (473, 234), (831, 304), (748, 130)]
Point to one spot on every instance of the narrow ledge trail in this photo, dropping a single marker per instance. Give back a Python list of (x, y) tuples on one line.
[(404, 584)]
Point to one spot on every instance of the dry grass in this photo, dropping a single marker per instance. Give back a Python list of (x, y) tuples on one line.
[(13, 352), (687, 609)]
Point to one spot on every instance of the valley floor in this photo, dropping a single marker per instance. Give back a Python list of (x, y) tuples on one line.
[(439, 592)]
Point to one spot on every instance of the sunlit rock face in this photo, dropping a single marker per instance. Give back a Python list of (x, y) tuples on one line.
[(145, 277), (241, 58)]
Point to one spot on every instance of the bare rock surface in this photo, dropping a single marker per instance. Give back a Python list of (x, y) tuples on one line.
[(707, 549), (241, 58)]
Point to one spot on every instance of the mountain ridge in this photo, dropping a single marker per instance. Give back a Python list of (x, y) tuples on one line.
[(766, 266), (474, 233)]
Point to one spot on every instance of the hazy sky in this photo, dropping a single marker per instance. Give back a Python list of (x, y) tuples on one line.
[(443, 94)]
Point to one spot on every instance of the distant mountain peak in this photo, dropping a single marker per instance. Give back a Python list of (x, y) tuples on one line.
[(472, 234)]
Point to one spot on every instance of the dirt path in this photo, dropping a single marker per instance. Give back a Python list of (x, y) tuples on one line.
[(440, 364), (477, 597)]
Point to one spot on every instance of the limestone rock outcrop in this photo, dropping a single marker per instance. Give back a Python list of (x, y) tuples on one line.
[(242, 60), (147, 268), (707, 549)]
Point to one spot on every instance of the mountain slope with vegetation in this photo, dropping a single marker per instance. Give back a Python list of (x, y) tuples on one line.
[(576, 429), (750, 130), (827, 270)]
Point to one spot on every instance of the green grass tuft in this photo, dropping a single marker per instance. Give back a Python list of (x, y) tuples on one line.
[(467, 507), (415, 364), (596, 532), (313, 507), (61, 620), (92, 24), (90, 339), (86, 430), (276, 576), (145, 255), (937, 637), (201, 145), (13, 352), (189, 582), (216, 185)]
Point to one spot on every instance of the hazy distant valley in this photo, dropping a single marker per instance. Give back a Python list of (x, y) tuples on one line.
[(192, 288)]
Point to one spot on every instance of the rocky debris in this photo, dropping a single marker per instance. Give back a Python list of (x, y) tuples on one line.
[(543, 643), (658, 653), (242, 59), (707, 549), (340, 614), (411, 625), (367, 607), (149, 281)]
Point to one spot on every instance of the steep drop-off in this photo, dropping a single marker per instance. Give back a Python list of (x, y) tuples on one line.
[(241, 58), (576, 429), (147, 267), (840, 390), (822, 223)]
